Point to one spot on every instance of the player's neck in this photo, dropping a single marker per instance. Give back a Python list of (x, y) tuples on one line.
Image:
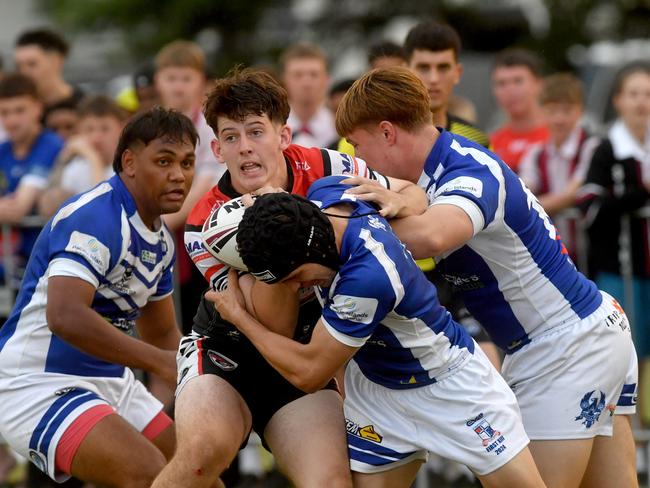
[(305, 111), (527, 121), (55, 91), (417, 148)]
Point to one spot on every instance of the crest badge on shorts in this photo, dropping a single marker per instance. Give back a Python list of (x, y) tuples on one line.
[(221, 361)]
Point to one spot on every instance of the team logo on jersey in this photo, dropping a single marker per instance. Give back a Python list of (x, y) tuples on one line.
[(464, 282), (368, 432), (302, 165), (148, 257), (491, 438), (591, 405), (221, 361), (91, 249), (65, 391), (38, 459), (617, 317), (354, 309), (122, 286), (464, 184), (346, 160), (375, 223)]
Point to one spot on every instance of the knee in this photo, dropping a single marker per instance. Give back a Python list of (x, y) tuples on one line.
[(333, 479), (205, 457)]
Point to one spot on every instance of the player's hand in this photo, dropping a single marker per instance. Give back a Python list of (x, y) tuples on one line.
[(248, 199), (230, 303), (166, 369), (390, 203)]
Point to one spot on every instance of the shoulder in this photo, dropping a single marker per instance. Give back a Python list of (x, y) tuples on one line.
[(49, 139), (84, 210), (204, 206)]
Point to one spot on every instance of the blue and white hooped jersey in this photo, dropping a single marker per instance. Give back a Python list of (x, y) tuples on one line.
[(514, 275), (98, 237), (381, 302)]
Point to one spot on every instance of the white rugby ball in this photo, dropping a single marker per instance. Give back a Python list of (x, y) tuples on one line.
[(219, 233)]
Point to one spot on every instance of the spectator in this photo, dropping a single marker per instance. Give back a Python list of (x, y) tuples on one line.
[(516, 83), (40, 54), (63, 118), (3, 134), (145, 87), (87, 158), (555, 170), (27, 157), (432, 50), (180, 81), (306, 78), (336, 93), (386, 54), (617, 185)]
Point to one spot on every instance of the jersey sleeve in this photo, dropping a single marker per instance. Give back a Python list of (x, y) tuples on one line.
[(84, 246), (214, 271), (359, 301), (473, 184), (337, 163)]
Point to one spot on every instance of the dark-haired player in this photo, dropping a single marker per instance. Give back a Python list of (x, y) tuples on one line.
[(40, 54), (101, 267), (225, 386), (416, 381)]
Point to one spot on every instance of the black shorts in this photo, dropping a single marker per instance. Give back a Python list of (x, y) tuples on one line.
[(234, 358)]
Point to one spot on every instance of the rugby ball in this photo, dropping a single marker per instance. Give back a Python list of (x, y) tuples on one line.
[(219, 233)]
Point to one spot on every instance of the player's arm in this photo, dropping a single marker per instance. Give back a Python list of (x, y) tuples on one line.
[(401, 199), (157, 324), (307, 366), (70, 317), (276, 306), (441, 228)]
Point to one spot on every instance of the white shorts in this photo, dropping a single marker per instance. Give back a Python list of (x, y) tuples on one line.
[(470, 416), (570, 380), (36, 409)]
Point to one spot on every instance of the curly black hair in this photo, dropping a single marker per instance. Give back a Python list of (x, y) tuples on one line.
[(281, 232)]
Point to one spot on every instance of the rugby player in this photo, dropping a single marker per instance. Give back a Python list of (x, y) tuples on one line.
[(569, 355), (226, 388), (101, 267), (416, 382)]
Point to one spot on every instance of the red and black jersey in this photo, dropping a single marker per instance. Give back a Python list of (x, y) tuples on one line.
[(304, 166)]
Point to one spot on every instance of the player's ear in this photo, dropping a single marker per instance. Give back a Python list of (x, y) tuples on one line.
[(459, 72), (285, 136), (216, 148), (128, 162), (388, 132)]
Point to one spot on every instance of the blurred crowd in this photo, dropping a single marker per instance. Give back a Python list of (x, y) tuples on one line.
[(57, 141)]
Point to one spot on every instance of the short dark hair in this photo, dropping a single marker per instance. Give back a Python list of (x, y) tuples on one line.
[(17, 85), (281, 232), (46, 39), (156, 123), (245, 92), (342, 86), (101, 106), (432, 36), (626, 71), (517, 56), (385, 49)]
